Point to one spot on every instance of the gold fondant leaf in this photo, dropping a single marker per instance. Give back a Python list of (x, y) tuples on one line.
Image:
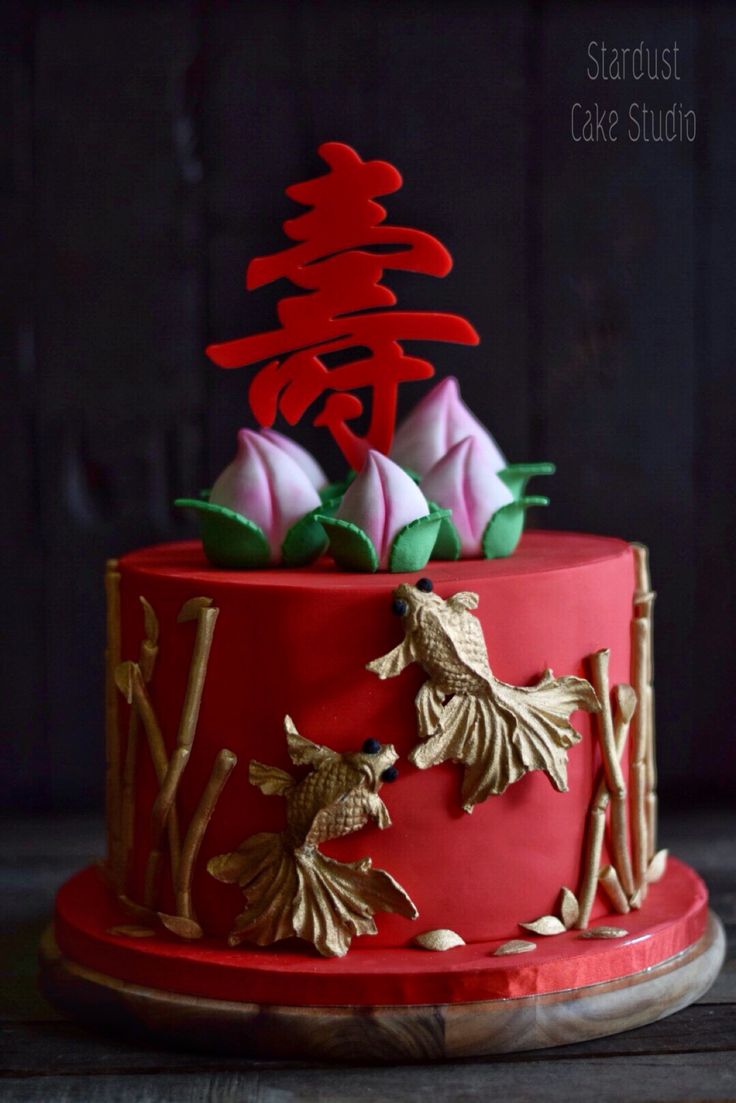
[(604, 932), (291, 888), (637, 899), (138, 911), (657, 866), (625, 696), (465, 714), (569, 907), (132, 931), (190, 609), (150, 621), (546, 925), (181, 926), (515, 946), (124, 680), (439, 939)]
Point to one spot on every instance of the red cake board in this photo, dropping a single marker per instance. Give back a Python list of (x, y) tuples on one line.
[(387, 1004)]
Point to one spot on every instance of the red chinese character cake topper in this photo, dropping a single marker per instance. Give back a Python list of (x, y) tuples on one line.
[(342, 248)]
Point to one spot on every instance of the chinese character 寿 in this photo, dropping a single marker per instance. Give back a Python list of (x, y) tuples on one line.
[(341, 252)]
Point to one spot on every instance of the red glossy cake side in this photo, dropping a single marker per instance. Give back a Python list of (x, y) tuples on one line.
[(297, 642)]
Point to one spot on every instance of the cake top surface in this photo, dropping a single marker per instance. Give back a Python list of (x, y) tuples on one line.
[(539, 551)]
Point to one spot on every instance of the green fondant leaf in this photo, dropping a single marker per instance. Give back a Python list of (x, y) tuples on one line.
[(447, 544), (504, 529), (351, 548), (229, 539), (412, 545), (413, 475), (307, 539), (336, 490), (517, 475)]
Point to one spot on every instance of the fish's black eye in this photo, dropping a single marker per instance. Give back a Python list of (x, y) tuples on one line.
[(425, 585), (390, 774), (399, 607), (371, 746)]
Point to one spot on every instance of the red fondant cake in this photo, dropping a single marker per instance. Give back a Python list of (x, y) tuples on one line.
[(298, 641), (321, 772)]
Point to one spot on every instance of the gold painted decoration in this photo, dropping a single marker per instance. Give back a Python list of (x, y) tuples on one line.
[(624, 708), (549, 925), (291, 888), (147, 663), (644, 598), (497, 731), (439, 940), (613, 773), (136, 911), (643, 764), (569, 907), (545, 925), (657, 867), (604, 932), (609, 882), (636, 900), (166, 848), (515, 946)]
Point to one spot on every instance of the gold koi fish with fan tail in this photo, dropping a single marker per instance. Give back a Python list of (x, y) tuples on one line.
[(291, 888), (497, 731)]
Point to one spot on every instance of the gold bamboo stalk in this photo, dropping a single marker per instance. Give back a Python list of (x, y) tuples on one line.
[(223, 765), (611, 885), (593, 847), (112, 722), (146, 662), (625, 699), (638, 768), (651, 808), (206, 618), (127, 806), (162, 807), (612, 770), (165, 799), (644, 608), (129, 680)]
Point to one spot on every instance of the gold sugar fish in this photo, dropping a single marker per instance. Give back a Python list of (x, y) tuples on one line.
[(291, 888), (465, 714)]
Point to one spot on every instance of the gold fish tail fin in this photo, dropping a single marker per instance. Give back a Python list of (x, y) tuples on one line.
[(337, 900), (537, 720), (266, 871), (466, 730), (500, 735), (492, 761)]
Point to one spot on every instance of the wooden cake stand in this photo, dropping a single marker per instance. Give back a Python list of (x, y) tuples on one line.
[(381, 1005)]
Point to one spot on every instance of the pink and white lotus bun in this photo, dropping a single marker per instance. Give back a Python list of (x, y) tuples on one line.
[(260, 509), (487, 518), (439, 421), (384, 522), (300, 455), (462, 482)]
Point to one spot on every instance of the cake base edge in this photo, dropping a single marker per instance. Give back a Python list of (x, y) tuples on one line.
[(384, 1034)]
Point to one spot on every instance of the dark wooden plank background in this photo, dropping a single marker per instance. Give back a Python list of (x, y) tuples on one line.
[(145, 148)]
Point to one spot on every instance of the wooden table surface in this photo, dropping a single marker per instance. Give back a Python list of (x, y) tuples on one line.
[(690, 1056)]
